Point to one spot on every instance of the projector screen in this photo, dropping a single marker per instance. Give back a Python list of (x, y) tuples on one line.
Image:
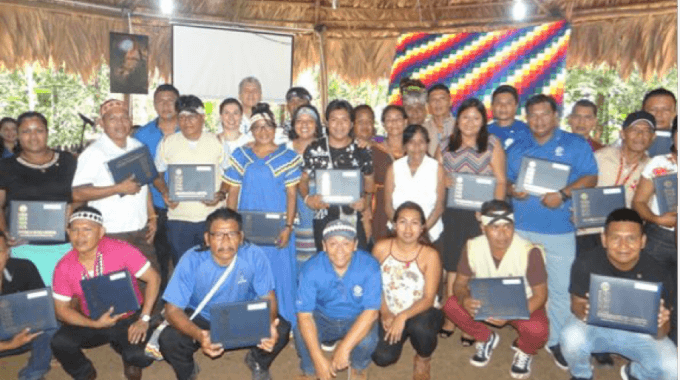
[(210, 62)]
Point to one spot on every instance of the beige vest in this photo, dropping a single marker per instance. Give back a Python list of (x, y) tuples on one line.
[(514, 262)]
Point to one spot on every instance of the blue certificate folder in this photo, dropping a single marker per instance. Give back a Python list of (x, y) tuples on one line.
[(112, 289), (469, 191), (137, 162), (539, 177), (501, 297), (666, 188), (189, 182), (339, 186), (37, 221), (239, 324), (262, 228), (593, 205), (33, 309), (624, 304)]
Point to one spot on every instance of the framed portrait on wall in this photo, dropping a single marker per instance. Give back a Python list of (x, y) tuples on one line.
[(128, 56)]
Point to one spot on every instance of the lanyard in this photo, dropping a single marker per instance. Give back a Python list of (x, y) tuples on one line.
[(618, 176), (98, 267)]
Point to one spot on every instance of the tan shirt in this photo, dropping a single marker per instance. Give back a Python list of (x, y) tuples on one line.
[(608, 165), (437, 137)]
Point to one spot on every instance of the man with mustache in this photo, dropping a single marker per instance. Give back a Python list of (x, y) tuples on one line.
[(196, 273)]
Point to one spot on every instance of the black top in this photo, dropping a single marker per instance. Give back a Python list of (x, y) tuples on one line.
[(595, 261), (317, 156), (24, 276), (49, 182)]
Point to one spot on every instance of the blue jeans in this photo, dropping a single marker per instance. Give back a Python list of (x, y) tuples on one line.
[(331, 330), (650, 358), (182, 236), (560, 251), (41, 354)]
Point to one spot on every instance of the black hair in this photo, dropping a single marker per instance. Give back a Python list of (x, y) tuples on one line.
[(438, 86), (188, 101), (494, 206), (658, 92), (224, 214), (32, 114), (674, 131), (229, 101), (364, 107), (166, 87), (17, 147), (424, 237), (8, 120), (623, 215), (318, 130), (585, 103), (340, 104), (411, 131), (263, 108), (456, 140), (390, 108), (541, 98), (505, 89)]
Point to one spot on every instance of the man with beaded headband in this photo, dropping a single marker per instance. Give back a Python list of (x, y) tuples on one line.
[(94, 254)]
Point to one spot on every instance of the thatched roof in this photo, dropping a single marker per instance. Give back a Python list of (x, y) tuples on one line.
[(359, 35)]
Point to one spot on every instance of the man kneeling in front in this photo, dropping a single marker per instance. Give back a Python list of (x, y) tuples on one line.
[(651, 357), (338, 301), (200, 268)]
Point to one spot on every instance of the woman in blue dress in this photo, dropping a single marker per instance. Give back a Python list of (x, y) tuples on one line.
[(264, 177)]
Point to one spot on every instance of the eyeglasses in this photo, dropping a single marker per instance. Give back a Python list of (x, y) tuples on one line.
[(231, 235)]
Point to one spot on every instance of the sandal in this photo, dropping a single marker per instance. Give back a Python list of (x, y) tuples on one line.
[(443, 333), (465, 342)]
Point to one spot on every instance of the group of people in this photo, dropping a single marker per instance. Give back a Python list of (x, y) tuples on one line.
[(358, 279)]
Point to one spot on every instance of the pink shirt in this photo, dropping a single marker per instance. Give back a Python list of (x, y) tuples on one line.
[(116, 255)]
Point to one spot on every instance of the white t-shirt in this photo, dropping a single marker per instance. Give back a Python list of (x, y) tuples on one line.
[(659, 166), (121, 214)]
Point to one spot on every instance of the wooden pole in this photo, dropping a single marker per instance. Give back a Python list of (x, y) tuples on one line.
[(323, 75)]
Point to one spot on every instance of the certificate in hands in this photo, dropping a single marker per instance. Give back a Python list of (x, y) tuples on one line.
[(262, 228), (239, 324), (36, 221), (191, 182), (137, 162), (470, 191), (501, 298), (112, 289), (666, 188), (339, 186), (33, 309), (624, 304), (539, 177), (593, 205)]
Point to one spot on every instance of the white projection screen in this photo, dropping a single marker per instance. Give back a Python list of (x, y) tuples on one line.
[(210, 62)]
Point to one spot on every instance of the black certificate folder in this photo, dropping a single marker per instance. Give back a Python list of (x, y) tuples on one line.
[(592, 206), (239, 324), (138, 163), (666, 188), (112, 289), (539, 177), (191, 182), (469, 191), (32, 309), (339, 187), (37, 221), (262, 228), (625, 304), (501, 298)]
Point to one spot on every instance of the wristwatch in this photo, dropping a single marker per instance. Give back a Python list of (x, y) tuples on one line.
[(145, 318), (564, 195)]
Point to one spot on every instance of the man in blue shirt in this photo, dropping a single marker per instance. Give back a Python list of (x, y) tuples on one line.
[(150, 135), (338, 301), (504, 102), (197, 272), (547, 219)]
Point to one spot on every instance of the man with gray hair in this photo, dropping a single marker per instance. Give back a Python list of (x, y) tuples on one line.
[(249, 94), (338, 300)]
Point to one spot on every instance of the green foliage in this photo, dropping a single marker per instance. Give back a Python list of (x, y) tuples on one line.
[(619, 97)]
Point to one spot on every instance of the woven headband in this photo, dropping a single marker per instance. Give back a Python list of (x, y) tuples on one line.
[(307, 111), (87, 215), (498, 217), (260, 116)]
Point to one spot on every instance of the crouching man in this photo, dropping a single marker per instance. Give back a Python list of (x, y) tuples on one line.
[(92, 255), (338, 301), (651, 357), (198, 270)]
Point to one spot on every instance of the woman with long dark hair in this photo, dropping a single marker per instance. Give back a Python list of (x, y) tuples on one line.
[(472, 150), (8, 133), (411, 272)]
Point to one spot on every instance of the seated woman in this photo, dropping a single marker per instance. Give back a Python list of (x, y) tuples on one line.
[(411, 271)]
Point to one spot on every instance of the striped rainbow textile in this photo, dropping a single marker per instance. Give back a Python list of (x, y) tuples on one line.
[(532, 59)]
